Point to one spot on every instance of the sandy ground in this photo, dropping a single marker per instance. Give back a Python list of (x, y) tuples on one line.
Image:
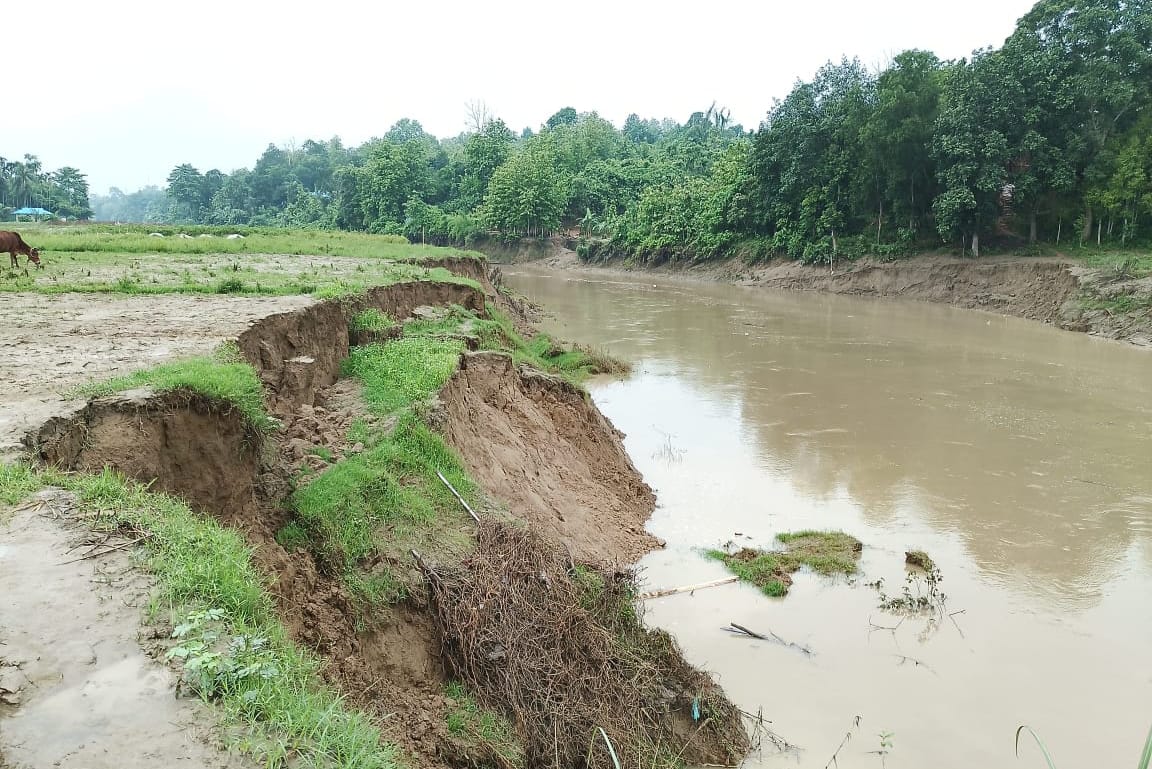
[(71, 666), (51, 343)]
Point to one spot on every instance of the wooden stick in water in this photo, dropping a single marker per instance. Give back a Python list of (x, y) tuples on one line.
[(686, 588)]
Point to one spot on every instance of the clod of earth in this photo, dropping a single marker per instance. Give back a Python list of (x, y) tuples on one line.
[(919, 558), (825, 552)]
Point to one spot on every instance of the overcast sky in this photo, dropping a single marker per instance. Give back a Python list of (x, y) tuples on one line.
[(126, 89)]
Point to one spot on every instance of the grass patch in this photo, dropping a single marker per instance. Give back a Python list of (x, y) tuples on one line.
[(366, 503), (371, 320), (1120, 263), (204, 576), (102, 259), (17, 482), (224, 376), (398, 373), (825, 552), (490, 731), (1117, 305), (919, 559)]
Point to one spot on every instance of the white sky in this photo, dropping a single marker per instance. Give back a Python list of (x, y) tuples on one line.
[(126, 89)]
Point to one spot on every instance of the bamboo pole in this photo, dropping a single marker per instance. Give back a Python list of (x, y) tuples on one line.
[(686, 588)]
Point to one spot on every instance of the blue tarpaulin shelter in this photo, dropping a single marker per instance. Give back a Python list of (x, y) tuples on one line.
[(33, 212)]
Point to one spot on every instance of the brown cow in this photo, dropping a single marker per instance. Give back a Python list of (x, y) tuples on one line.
[(15, 246)]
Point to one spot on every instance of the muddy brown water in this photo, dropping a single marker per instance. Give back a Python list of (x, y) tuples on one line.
[(1019, 456)]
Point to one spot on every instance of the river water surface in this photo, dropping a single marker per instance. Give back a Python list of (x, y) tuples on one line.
[(1017, 455)]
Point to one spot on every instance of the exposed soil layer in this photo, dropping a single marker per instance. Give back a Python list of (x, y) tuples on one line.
[(298, 353), (192, 447), (76, 690), (531, 440), (539, 445), (1031, 289)]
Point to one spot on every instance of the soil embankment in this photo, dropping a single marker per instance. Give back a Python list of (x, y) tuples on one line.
[(52, 342), (540, 446), (533, 442)]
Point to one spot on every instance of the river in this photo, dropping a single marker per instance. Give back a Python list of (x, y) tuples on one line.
[(1017, 455)]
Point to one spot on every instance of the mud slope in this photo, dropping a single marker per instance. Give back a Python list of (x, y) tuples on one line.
[(537, 444), (76, 691), (297, 353), (1031, 289), (192, 447)]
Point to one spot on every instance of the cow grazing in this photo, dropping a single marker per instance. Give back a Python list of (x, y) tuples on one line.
[(15, 246)]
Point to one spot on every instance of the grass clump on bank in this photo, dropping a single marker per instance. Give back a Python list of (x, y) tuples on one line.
[(385, 498), (234, 649), (371, 320), (825, 552), (489, 732), (388, 497), (223, 377)]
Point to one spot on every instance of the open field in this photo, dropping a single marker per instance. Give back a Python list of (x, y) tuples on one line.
[(93, 260)]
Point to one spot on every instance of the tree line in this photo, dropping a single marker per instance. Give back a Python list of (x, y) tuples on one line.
[(26, 184), (1047, 138)]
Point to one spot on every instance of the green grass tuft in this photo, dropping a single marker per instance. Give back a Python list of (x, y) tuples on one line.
[(371, 320), (399, 373), (467, 720), (825, 552), (222, 377)]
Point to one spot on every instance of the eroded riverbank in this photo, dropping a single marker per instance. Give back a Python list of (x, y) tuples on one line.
[(355, 544), (1014, 453), (1056, 291)]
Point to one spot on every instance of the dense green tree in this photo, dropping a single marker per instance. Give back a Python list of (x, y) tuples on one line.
[(526, 195), (185, 184), (972, 147)]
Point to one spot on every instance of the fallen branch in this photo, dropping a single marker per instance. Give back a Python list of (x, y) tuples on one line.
[(741, 630), (108, 551), (915, 662), (456, 494), (686, 588)]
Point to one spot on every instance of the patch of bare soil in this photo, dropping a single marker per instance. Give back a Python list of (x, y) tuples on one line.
[(541, 447), (190, 446), (50, 343), (76, 688)]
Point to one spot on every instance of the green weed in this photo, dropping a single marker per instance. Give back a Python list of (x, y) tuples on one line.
[(398, 373), (223, 377), (467, 720), (825, 552), (1144, 762), (371, 320)]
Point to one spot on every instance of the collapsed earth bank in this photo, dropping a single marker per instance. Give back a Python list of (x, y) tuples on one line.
[(538, 447)]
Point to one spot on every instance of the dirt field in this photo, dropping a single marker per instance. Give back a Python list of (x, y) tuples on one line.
[(50, 343), (70, 662)]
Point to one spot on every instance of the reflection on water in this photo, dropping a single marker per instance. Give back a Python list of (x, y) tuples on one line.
[(1018, 455)]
